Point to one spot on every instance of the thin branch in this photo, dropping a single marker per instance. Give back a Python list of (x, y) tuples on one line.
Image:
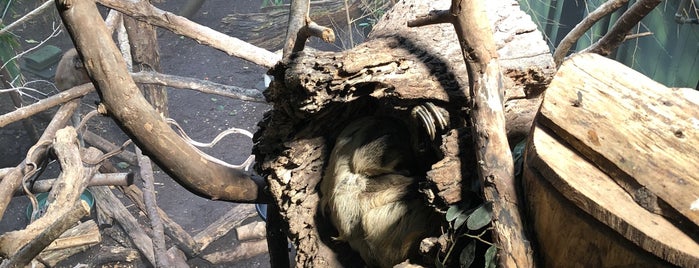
[(613, 39), (144, 11), (582, 27), (146, 170), (43, 7), (55, 100), (200, 85)]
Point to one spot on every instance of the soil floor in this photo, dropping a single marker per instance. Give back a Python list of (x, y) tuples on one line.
[(202, 116)]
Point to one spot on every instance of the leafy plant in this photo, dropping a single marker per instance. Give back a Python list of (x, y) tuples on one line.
[(469, 223)]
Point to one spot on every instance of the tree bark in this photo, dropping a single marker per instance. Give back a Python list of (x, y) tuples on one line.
[(317, 93), (141, 122)]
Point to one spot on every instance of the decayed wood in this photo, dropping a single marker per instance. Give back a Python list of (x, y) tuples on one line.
[(64, 205), (250, 231), (110, 204), (653, 156), (85, 233), (144, 11), (116, 254), (396, 69), (127, 106), (223, 225), (244, 250), (557, 190)]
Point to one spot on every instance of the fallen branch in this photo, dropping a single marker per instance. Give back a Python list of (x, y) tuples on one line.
[(203, 86), (13, 179), (582, 27), (140, 121), (144, 11), (244, 250), (64, 206), (107, 202), (146, 170), (252, 231), (223, 225), (178, 235), (111, 179)]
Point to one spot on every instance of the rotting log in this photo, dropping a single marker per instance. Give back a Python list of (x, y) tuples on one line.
[(625, 190), (123, 101), (316, 93)]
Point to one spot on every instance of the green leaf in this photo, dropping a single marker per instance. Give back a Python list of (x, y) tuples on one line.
[(453, 212), (468, 254), (122, 165), (460, 220), (480, 217), (490, 256), (31, 41)]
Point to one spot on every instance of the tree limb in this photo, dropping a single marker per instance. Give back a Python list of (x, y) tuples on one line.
[(139, 120), (144, 11), (13, 179), (582, 27), (613, 39), (495, 166)]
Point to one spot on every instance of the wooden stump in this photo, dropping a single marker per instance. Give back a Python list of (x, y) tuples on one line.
[(612, 155), (317, 93)]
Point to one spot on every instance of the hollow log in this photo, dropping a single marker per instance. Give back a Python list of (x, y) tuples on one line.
[(317, 93)]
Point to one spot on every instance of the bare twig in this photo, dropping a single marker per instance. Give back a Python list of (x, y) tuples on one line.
[(144, 11), (199, 85), (301, 27), (43, 7), (613, 39), (582, 27), (146, 170)]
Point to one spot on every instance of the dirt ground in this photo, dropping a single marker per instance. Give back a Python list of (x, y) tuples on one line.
[(202, 116)]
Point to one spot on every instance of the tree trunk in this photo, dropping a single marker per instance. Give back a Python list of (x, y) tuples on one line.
[(317, 93)]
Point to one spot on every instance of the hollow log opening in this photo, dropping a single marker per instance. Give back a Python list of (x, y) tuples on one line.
[(401, 72)]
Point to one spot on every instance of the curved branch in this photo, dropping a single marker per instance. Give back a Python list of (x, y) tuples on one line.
[(140, 121), (582, 27), (621, 28)]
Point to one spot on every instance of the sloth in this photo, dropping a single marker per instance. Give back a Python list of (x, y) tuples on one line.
[(70, 71), (369, 192)]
